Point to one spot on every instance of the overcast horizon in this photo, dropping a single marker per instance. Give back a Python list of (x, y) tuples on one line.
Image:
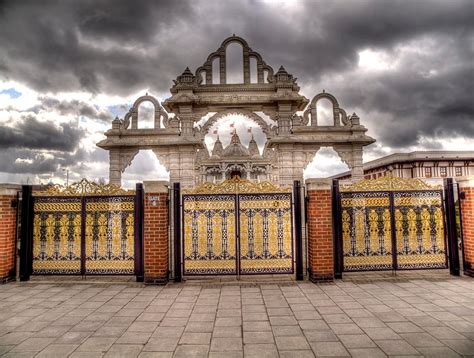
[(67, 68)]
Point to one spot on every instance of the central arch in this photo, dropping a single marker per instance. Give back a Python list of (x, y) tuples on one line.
[(266, 128)]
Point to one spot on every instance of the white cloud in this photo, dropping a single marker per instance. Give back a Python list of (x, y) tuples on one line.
[(371, 60)]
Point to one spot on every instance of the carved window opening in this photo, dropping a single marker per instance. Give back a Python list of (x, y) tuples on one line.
[(216, 73), (235, 173), (325, 112), (265, 76), (253, 70), (146, 115), (234, 63)]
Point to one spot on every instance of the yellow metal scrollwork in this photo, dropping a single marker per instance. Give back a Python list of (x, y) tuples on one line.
[(77, 236), (387, 229), (36, 235), (346, 238), (49, 244), (63, 236), (130, 223), (374, 231), (102, 235), (426, 229), (412, 234)]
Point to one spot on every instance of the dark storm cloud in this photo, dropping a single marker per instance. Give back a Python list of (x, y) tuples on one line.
[(118, 47), (33, 134), (26, 161), (73, 107)]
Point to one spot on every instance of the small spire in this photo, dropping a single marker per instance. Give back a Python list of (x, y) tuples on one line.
[(324, 91)]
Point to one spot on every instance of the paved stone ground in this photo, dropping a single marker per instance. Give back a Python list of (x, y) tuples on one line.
[(355, 317)]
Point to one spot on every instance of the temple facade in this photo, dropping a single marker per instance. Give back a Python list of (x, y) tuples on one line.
[(234, 160), (270, 99)]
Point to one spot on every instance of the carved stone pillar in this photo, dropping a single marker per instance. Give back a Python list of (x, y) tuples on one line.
[(284, 118), (187, 157), (285, 164), (357, 171), (187, 120), (115, 171), (299, 164)]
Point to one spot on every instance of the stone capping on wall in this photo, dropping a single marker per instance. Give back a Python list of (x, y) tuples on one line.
[(465, 181), (318, 184), (156, 186), (9, 189)]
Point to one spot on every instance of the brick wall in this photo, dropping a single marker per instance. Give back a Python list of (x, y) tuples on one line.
[(467, 208), (320, 239), (155, 233), (7, 233)]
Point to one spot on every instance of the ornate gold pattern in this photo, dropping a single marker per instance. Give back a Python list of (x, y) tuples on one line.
[(55, 244), (236, 185), (365, 202), (257, 256), (387, 183), (366, 229), (420, 238), (109, 234), (82, 188), (209, 234), (265, 226), (56, 207)]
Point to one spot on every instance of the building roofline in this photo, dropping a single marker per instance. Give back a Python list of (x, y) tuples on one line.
[(418, 155)]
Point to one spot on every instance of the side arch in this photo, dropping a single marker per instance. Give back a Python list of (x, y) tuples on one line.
[(160, 113), (339, 114)]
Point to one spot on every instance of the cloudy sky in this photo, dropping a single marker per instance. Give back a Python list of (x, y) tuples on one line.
[(67, 68)]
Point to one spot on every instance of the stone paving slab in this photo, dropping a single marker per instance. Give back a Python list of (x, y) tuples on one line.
[(365, 315)]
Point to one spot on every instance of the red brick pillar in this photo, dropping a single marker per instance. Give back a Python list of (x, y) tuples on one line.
[(156, 232), (320, 240), (466, 186), (8, 193)]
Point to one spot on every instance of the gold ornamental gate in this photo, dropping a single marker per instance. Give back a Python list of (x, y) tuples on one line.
[(391, 223), (85, 228), (237, 227)]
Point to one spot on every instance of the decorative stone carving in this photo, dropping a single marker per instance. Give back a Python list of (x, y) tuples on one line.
[(291, 143)]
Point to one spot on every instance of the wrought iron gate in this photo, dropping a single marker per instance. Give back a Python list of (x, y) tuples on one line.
[(392, 223), (85, 229), (237, 227)]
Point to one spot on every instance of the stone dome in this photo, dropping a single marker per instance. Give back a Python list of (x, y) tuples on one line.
[(235, 148)]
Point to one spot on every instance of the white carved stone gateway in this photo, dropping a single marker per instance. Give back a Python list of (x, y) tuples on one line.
[(291, 144)]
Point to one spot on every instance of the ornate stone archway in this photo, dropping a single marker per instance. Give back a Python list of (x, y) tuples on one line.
[(291, 144)]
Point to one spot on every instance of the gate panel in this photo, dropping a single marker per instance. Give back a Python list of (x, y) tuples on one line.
[(419, 228), (266, 235), (109, 235), (209, 234), (57, 235), (366, 231)]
